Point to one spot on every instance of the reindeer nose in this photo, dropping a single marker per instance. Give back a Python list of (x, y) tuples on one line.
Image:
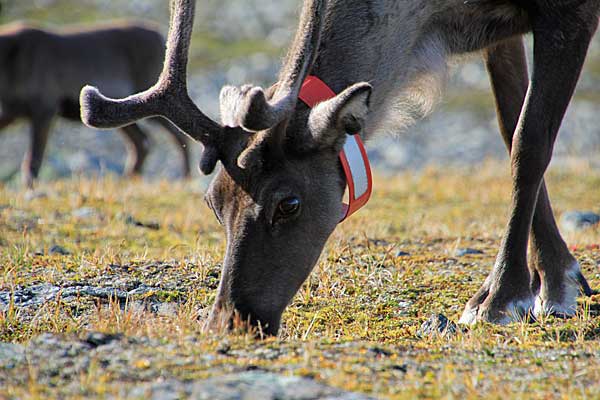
[(224, 316)]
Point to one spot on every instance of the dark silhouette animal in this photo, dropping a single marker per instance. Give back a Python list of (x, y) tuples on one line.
[(279, 189), (43, 71)]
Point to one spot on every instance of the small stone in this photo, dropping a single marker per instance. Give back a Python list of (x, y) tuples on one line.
[(467, 251), (165, 309), (379, 352), (579, 220), (35, 194), (400, 367), (223, 348), (141, 290), (437, 325), (84, 212), (97, 339), (56, 249), (130, 220), (401, 253)]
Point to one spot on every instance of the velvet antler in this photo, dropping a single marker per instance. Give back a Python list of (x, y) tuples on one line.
[(249, 108)]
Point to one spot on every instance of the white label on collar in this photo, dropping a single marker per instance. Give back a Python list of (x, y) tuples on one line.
[(357, 166)]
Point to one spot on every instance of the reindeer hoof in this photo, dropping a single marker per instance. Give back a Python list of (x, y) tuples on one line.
[(514, 311), (469, 316), (563, 301)]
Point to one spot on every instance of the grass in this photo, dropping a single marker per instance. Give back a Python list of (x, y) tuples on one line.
[(353, 323)]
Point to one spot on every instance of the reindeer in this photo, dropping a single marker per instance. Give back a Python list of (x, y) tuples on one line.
[(279, 190), (43, 71)]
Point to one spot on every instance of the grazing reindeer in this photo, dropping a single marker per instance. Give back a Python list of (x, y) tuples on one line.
[(42, 73), (280, 187)]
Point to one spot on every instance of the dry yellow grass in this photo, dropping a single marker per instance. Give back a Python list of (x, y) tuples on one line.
[(353, 323)]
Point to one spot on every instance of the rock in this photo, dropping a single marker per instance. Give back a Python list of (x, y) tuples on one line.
[(104, 292), (34, 194), (379, 352), (84, 213), (437, 325), (37, 295), (165, 309), (467, 251), (400, 367), (167, 390), (141, 290), (130, 220), (253, 385), (11, 355), (97, 339), (579, 220), (30, 296), (56, 249), (223, 348), (58, 356)]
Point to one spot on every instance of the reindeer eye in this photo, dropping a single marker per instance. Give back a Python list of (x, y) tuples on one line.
[(288, 207)]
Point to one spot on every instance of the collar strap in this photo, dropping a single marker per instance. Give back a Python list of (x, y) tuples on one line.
[(353, 156)]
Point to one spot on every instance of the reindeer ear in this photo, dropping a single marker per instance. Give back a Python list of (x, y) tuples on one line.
[(331, 120)]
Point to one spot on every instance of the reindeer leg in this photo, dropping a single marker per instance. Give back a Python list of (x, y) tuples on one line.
[(549, 256), (181, 141), (138, 145), (32, 162), (559, 51)]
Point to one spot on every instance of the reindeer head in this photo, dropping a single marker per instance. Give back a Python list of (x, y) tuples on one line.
[(279, 190)]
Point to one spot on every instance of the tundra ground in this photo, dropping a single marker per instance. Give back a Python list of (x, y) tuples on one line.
[(104, 284)]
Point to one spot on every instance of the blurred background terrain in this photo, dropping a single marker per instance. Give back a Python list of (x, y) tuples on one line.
[(237, 42)]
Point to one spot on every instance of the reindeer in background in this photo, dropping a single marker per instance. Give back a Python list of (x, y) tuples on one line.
[(43, 71), (279, 189)]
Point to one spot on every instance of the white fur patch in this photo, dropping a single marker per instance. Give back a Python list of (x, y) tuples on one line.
[(568, 306), (515, 311), (421, 90), (469, 316)]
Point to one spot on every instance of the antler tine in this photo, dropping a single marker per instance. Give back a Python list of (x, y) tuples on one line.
[(168, 98), (303, 52), (252, 110)]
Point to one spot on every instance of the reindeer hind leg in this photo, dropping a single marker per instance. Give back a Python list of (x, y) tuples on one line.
[(138, 147)]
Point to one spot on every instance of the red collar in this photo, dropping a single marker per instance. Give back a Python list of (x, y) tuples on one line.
[(353, 156)]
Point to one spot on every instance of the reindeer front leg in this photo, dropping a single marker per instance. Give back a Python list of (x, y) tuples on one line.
[(560, 47), (556, 276)]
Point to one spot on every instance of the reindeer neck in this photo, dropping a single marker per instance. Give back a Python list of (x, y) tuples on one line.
[(402, 49)]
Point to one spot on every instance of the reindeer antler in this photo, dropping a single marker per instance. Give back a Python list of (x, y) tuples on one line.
[(249, 108), (168, 98)]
